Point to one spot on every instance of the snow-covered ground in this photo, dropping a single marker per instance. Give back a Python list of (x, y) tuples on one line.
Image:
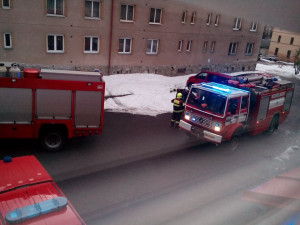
[(151, 94)]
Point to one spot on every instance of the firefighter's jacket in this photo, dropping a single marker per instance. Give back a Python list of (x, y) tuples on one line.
[(178, 105)]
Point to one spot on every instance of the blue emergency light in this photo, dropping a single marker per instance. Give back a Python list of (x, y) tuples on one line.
[(216, 87), (35, 210)]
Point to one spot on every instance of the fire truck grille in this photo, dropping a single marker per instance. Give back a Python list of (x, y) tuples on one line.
[(202, 121)]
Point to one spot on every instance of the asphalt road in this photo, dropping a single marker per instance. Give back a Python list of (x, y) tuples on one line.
[(141, 171)]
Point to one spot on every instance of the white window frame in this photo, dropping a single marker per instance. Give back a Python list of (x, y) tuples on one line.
[(253, 27), (55, 43), (208, 19), (6, 7), (55, 9), (92, 10), (204, 47), (189, 46), (233, 48), (193, 18), (180, 44), (155, 15), (124, 46), (10, 40), (91, 51), (249, 49), (183, 18), (212, 47), (217, 20), (126, 16), (152, 50), (237, 23)]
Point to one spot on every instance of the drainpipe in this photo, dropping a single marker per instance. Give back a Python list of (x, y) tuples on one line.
[(110, 35)]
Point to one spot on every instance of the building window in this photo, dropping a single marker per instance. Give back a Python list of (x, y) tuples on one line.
[(180, 44), (6, 4), (155, 16), (288, 55), (217, 20), (249, 48), (91, 45), (55, 7), (189, 46), (92, 9), (237, 23), (279, 38), (292, 41), (253, 26), (183, 18), (127, 13), (193, 18), (204, 47), (212, 47), (208, 19), (7, 40), (276, 51), (232, 48), (152, 46), (55, 43), (125, 45)]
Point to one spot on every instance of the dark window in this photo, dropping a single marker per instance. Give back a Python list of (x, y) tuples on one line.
[(92, 9), (276, 51), (216, 78), (288, 55), (155, 15), (55, 7), (244, 102), (233, 106), (232, 48), (279, 38), (7, 40), (6, 3), (127, 12), (183, 17), (292, 41)]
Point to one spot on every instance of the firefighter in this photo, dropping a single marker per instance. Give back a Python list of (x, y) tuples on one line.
[(178, 108)]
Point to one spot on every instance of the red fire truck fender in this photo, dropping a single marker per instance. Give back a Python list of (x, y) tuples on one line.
[(234, 129)]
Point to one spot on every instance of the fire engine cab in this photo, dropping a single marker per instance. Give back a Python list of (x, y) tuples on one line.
[(219, 112), (28, 195), (51, 105)]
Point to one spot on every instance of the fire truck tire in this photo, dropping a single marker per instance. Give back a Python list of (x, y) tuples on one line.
[(273, 125), (234, 142), (52, 139)]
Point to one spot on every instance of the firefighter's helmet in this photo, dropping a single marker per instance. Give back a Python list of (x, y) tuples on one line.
[(179, 95)]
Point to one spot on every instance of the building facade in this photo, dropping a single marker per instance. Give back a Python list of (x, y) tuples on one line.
[(284, 44), (165, 37)]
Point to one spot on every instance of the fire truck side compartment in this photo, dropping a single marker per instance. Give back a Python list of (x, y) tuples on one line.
[(15, 105), (88, 108), (53, 104)]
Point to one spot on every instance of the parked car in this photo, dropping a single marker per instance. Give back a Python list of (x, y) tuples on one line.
[(207, 76), (271, 57)]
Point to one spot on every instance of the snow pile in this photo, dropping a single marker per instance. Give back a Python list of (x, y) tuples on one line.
[(151, 94)]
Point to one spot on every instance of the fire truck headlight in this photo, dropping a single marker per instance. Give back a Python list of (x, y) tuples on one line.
[(217, 127), (187, 116)]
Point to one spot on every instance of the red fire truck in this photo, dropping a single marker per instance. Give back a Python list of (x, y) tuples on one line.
[(28, 195), (219, 112), (51, 105)]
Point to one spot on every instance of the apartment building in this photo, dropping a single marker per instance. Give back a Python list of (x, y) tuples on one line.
[(165, 37), (284, 44)]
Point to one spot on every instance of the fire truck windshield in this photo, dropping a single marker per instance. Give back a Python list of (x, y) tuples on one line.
[(207, 101)]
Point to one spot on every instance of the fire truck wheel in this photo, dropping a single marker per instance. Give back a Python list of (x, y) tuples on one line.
[(234, 143), (52, 140), (273, 125)]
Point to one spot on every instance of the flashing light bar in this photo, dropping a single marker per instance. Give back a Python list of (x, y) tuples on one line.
[(216, 87), (35, 210)]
